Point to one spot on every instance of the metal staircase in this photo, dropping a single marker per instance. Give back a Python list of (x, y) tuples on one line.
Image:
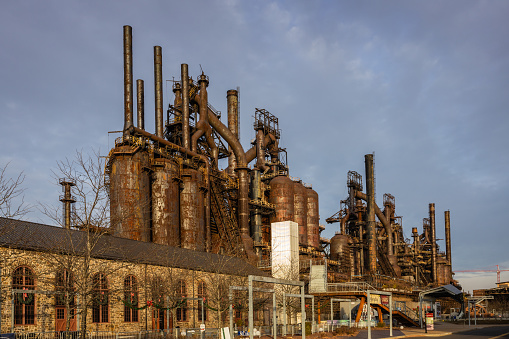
[(224, 219)]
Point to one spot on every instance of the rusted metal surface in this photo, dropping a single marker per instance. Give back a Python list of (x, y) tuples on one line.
[(256, 195), (140, 103), (447, 216), (128, 78), (313, 220), (68, 200), (158, 90), (232, 101), (282, 196), (340, 251), (186, 137), (433, 242), (370, 202), (192, 230), (130, 194), (300, 213), (165, 203)]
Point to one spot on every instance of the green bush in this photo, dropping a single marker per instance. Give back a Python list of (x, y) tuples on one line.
[(308, 328), (380, 324)]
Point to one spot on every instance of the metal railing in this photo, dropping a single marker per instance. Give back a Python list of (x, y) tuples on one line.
[(349, 287)]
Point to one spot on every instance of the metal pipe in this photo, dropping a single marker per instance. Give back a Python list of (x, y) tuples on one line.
[(370, 202), (256, 220), (128, 78), (251, 153), (232, 99), (186, 137), (433, 242), (447, 215), (385, 221), (242, 169), (203, 125), (158, 90), (140, 103), (260, 151)]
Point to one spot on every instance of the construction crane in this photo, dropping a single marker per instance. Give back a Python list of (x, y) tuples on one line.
[(498, 270)]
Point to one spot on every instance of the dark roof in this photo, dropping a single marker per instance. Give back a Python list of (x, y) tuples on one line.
[(27, 235), (443, 292)]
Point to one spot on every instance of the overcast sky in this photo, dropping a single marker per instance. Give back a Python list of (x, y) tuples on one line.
[(423, 84)]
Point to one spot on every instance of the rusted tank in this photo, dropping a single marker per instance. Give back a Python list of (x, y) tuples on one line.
[(192, 224), (130, 194), (441, 272), (282, 196), (300, 211), (165, 203), (313, 219), (340, 251)]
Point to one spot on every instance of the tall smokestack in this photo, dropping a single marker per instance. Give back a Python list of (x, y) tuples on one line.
[(232, 100), (68, 200), (371, 226), (433, 242), (128, 78), (447, 215), (140, 103), (158, 89), (186, 137)]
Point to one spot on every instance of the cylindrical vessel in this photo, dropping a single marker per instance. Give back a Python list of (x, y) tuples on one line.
[(370, 211), (192, 226), (158, 90), (340, 251), (313, 219), (140, 103), (128, 78), (282, 196), (165, 203), (256, 217), (447, 216), (186, 132), (130, 194), (434, 271), (232, 100), (300, 214)]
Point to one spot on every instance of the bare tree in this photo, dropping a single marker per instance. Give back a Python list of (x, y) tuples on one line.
[(12, 202), (73, 257)]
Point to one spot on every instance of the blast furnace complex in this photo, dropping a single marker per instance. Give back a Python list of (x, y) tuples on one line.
[(166, 187)]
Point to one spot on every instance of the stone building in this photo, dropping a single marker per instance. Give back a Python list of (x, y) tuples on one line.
[(50, 274)]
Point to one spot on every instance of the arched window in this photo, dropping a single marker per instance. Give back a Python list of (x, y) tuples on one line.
[(131, 299), (24, 303), (182, 309), (100, 299), (202, 293)]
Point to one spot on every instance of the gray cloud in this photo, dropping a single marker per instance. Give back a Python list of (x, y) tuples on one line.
[(423, 84)]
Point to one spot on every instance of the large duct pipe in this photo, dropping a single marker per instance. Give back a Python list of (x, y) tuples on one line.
[(447, 215), (433, 242), (371, 226), (242, 169), (186, 137), (232, 100), (158, 90), (203, 125), (260, 151), (140, 103), (256, 220), (382, 218), (128, 78)]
